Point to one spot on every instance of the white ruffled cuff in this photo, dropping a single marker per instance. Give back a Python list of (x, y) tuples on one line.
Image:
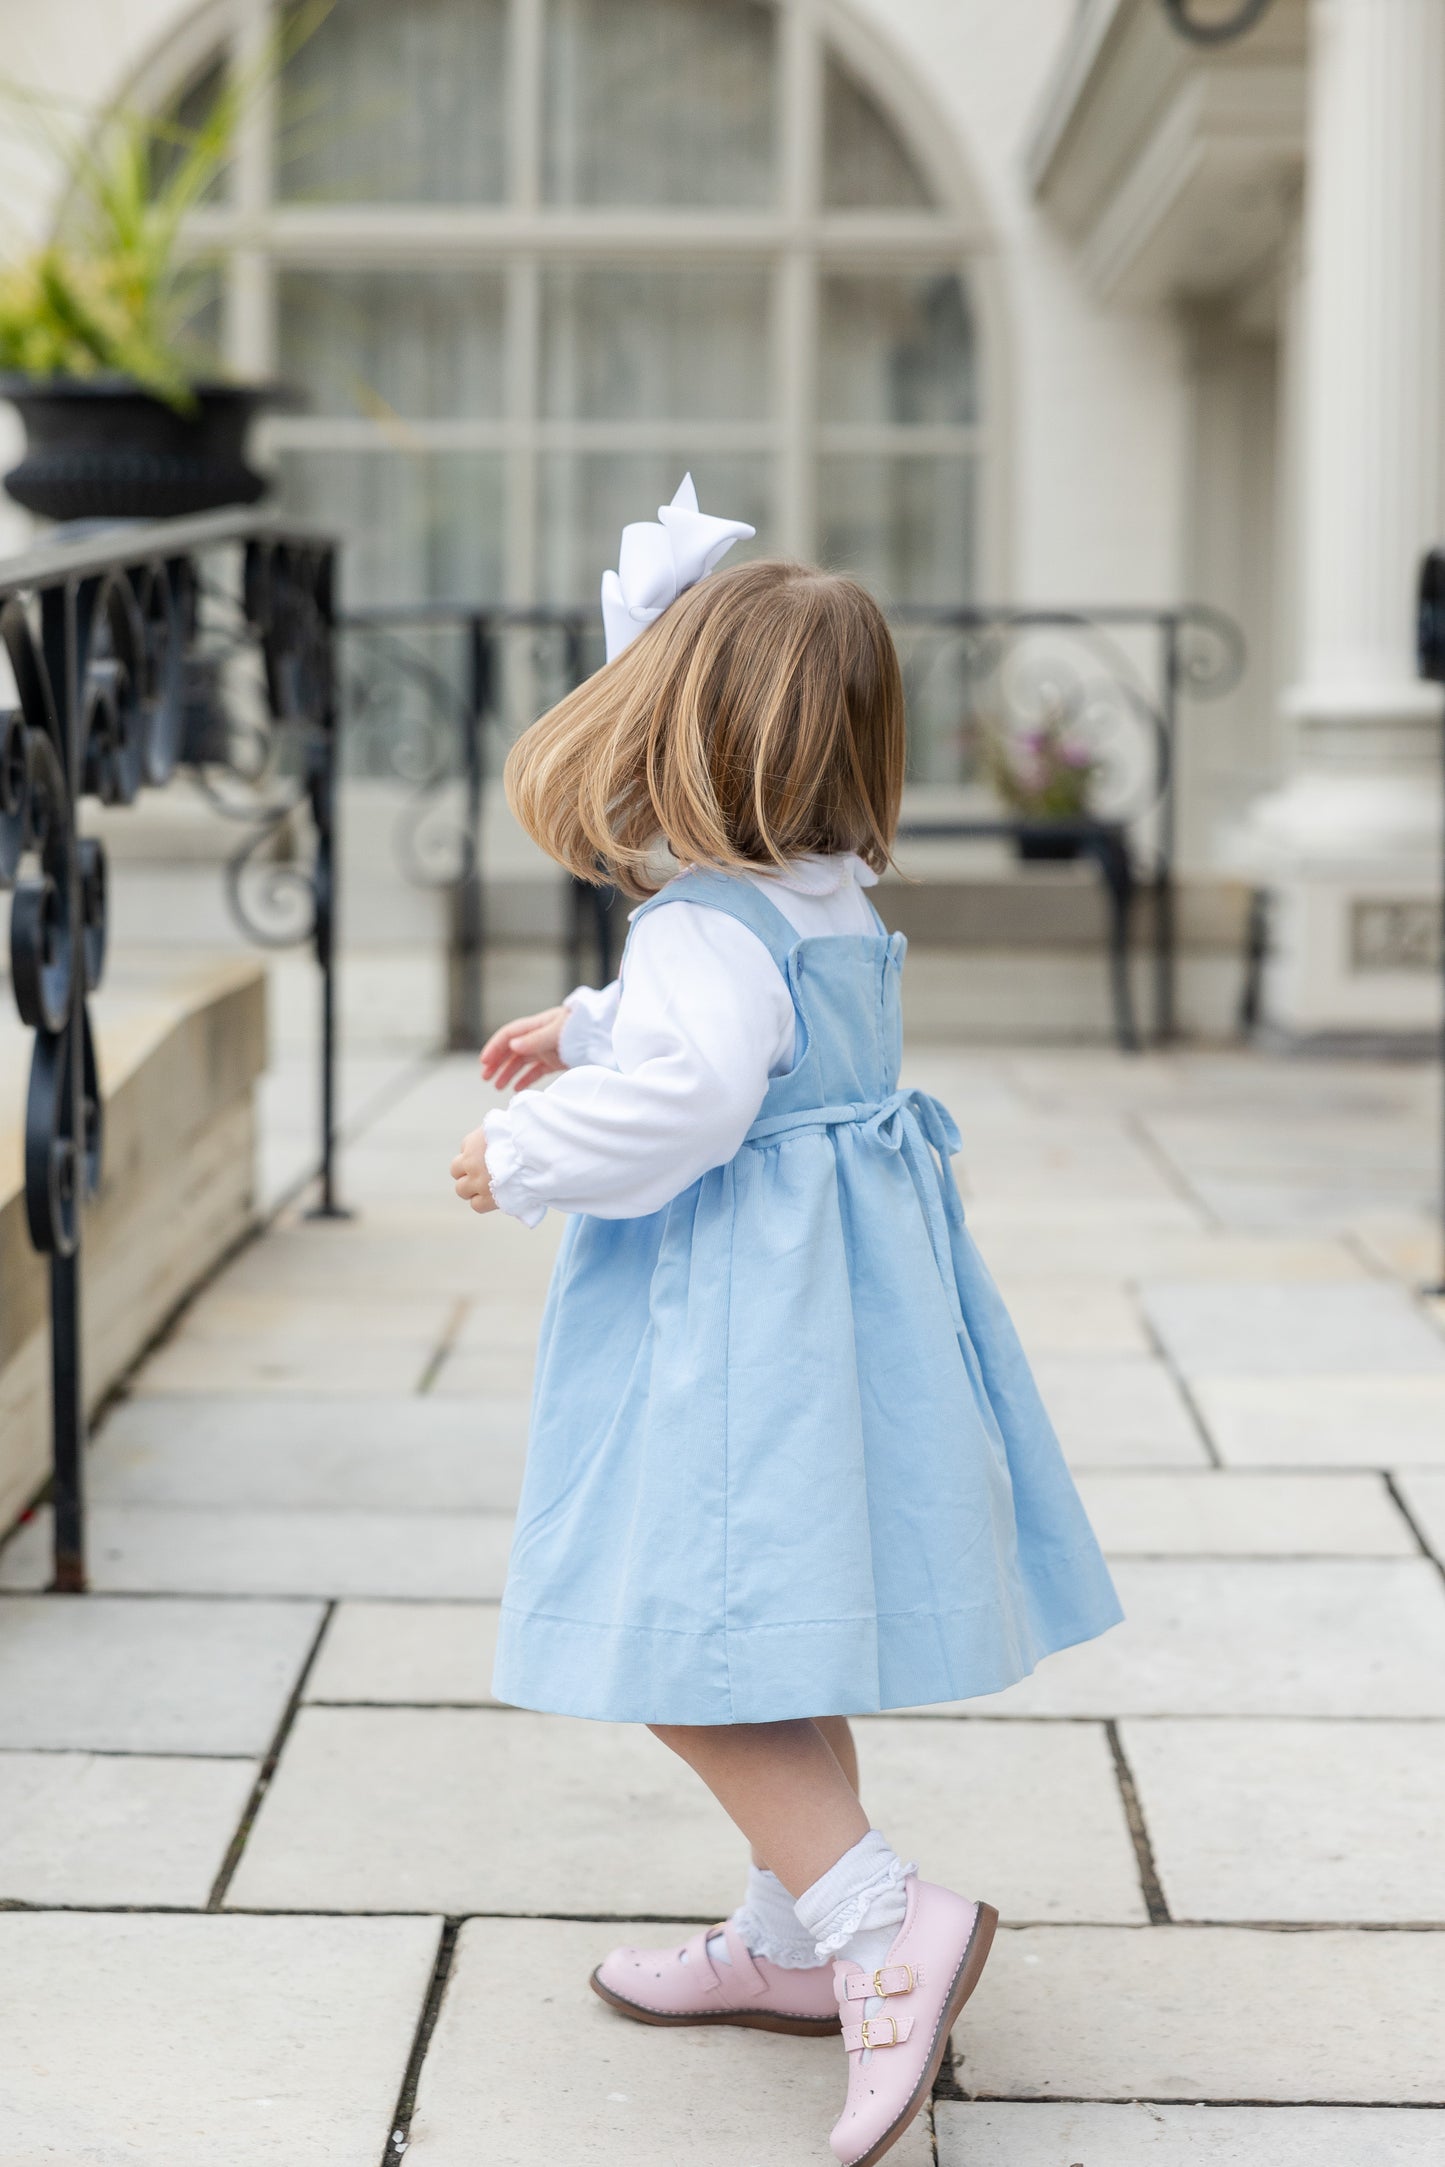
[(837, 1905), (586, 1036), (506, 1172), (796, 1954)]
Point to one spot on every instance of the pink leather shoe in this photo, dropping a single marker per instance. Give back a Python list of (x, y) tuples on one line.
[(685, 1986), (893, 2058)]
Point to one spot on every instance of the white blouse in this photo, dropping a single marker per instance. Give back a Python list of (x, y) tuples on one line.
[(666, 1073)]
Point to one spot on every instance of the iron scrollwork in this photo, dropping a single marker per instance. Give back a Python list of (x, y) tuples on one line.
[(1082, 675), (1026, 691), (1215, 29), (102, 650), (433, 718)]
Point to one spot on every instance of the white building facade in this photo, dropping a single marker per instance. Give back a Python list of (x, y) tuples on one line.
[(1025, 301)]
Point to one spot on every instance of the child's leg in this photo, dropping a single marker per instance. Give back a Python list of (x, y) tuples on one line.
[(787, 1791), (784, 1786), (838, 1735)]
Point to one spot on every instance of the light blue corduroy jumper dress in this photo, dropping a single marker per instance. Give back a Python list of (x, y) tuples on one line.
[(787, 1458)]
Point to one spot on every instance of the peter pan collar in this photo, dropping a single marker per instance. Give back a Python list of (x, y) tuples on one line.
[(818, 874)]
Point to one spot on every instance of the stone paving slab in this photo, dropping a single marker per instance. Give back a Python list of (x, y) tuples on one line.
[(978, 1807), (1295, 1821), (546, 2072), (1075, 1316), (1207, 1512), (1326, 1637), (1059, 1159), (1079, 1224), (482, 1374), (1278, 1141), (406, 1653), (1406, 1243), (1424, 1497), (461, 1811), (374, 1256), (84, 1828), (1294, 1331), (406, 1454), (1128, 1252), (1327, 1202), (403, 1171), (206, 2042), (1235, 1080), (1199, 2013), (1344, 1421), (270, 1319), (1119, 1412), (286, 1365), (1006, 2134), (506, 1325), (196, 1550), (137, 1675)]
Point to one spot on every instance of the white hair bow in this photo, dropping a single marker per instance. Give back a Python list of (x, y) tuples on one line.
[(657, 563)]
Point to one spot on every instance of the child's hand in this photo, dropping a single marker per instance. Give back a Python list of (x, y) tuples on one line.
[(523, 1051), (469, 1172)]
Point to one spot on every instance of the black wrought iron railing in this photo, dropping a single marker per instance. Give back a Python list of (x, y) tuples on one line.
[(126, 655), (427, 687)]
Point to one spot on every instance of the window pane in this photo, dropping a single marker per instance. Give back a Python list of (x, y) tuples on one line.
[(866, 163), (390, 103), (896, 347), (662, 102), (177, 128), (588, 498), (623, 343), (423, 344), (904, 526), (416, 527), (200, 319)]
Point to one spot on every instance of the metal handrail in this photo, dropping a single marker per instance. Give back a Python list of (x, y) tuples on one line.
[(1197, 651), (107, 641)]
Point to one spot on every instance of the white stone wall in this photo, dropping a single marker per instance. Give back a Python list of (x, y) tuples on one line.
[(1093, 396)]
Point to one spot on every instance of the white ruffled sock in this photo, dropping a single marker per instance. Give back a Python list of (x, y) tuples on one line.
[(856, 1908), (768, 1925)]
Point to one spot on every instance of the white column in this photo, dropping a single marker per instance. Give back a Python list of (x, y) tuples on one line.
[(1353, 837)]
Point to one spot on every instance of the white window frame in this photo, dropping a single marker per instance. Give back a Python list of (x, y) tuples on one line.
[(261, 236)]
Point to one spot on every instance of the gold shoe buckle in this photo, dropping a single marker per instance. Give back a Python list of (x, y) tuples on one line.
[(868, 2038), (882, 1992)]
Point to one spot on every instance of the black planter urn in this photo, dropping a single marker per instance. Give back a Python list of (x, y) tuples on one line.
[(1042, 843), (101, 448)]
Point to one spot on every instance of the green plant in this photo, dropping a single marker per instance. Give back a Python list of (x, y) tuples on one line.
[(1043, 773), (116, 292)]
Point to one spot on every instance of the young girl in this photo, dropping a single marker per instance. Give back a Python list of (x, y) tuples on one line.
[(787, 1461)]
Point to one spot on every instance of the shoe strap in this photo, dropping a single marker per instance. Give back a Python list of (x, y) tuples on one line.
[(871, 2032), (878, 1985), (743, 1974)]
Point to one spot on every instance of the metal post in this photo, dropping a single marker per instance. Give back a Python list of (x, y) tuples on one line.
[(1165, 942), (61, 630), (466, 1002), (324, 753), (1438, 1289), (1430, 660), (324, 802)]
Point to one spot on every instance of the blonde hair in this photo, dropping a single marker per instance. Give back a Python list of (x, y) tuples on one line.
[(760, 718)]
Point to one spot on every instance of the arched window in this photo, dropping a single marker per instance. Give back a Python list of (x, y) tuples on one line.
[(529, 259)]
